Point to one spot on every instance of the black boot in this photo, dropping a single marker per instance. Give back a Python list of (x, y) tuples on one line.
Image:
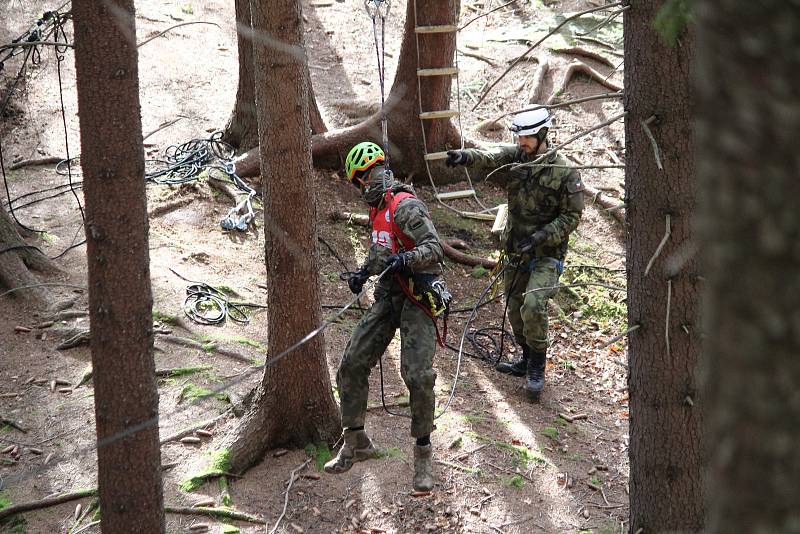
[(536, 365), (518, 367)]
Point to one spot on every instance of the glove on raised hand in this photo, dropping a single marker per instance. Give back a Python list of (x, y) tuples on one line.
[(455, 157), (357, 280), (532, 242), (397, 262)]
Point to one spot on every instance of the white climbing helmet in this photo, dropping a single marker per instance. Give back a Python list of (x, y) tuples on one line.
[(530, 122)]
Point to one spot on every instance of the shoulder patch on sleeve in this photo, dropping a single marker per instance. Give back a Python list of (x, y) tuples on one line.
[(574, 186), (416, 224)]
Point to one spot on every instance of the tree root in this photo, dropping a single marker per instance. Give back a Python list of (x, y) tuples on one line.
[(228, 513), (537, 85), (450, 252), (207, 347), (582, 68), (83, 337), (45, 503), (34, 162), (163, 209)]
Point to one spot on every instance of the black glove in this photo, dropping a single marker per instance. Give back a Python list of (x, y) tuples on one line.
[(455, 157), (397, 262), (532, 242), (357, 280)]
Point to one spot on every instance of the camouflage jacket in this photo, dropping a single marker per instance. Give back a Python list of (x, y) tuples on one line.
[(540, 197), (413, 219)]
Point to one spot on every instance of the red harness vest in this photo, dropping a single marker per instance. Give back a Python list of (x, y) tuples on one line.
[(385, 232)]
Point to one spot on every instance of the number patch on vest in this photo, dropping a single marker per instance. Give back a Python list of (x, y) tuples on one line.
[(382, 238)]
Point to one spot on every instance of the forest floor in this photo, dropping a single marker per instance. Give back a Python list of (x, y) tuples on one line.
[(508, 465)]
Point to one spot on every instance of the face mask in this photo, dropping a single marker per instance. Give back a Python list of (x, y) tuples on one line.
[(373, 193)]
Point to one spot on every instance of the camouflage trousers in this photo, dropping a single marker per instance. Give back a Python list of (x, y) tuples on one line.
[(528, 312), (372, 335)]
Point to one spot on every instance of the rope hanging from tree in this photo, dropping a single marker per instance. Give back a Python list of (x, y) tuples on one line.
[(375, 9)]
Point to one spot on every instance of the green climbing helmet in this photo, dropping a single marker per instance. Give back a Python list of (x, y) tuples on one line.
[(361, 157)]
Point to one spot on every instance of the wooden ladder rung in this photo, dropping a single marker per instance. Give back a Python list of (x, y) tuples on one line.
[(448, 28), (452, 195), (442, 71), (434, 156), (443, 114)]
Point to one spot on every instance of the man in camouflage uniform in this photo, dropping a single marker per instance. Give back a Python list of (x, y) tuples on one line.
[(545, 202), (416, 250)]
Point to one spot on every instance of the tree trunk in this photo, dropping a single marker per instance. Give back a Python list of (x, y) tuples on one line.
[(665, 426), (120, 300), (293, 404), (406, 149), (16, 258), (748, 164), (242, 128)]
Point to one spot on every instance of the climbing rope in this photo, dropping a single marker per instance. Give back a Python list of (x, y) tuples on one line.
[(375, 9), (209, 305)]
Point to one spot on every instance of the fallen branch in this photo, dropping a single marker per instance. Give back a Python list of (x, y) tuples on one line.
[(579, 67), (578, 51), (478, 56), (159, 34), (186, 431), (228, 513), (485, 14), (450, 252), (13, 424), (453, 465), (563, 104), (34, 162), (46, 503), (611, 206), (286, 494), (572, 418)]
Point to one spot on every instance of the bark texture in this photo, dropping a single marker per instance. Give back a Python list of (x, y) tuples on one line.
[(666, 461), (748, 166), (293, 404), (242, 128), (406, 148), (120, 300)]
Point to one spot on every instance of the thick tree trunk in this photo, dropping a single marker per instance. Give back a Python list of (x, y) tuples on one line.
[(406, 148), (748, 174), (242, 128), (666, 486), (293, 404), (16, 258), (120, 300)]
